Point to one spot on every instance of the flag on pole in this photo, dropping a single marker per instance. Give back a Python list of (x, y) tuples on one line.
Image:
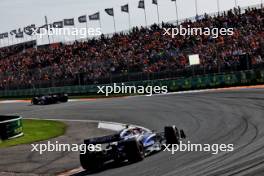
[(155, 2), (176, 8), (82, 19), (125, 8), (110, 11), (95, 16), (141, 4), (29, 29), (69, 22), (19, 34), (13, 32), (45, 26), (58, 24), (50, 26), (5, 35)]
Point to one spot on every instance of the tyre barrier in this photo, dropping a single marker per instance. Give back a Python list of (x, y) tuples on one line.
[(10, 127)]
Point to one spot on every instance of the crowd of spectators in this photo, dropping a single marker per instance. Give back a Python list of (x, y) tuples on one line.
[(143, 49)]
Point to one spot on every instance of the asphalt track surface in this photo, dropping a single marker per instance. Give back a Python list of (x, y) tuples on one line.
[(235, 117)]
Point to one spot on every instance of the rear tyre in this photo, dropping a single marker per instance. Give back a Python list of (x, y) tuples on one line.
[(91, 161), (134, 151), (171, 135), (34, 101)]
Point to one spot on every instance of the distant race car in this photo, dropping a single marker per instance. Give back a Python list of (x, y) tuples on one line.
[(50, 99), (131, 144)]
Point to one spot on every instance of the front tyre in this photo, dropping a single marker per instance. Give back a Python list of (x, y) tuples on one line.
[(34, 101), (134, 150), (171, 135)]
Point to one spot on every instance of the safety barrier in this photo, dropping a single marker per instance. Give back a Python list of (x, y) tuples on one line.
[(10, 127), (250, 77)]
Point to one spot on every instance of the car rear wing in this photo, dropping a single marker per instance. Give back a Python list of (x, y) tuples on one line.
[(103, 140)]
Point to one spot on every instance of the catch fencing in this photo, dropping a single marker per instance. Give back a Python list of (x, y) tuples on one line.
[(240, 78)]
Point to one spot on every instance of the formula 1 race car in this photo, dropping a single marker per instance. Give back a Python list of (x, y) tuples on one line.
[(131, 144), (50, 99)]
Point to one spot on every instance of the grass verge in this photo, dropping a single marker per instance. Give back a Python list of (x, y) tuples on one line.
[(36, 130)]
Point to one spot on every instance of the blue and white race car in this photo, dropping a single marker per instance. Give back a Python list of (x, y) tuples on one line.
[(131, 144)]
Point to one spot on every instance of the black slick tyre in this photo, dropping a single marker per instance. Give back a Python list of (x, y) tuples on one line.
[(134, 150)]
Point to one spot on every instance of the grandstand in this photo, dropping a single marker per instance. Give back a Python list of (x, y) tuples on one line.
[(141, 54)]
